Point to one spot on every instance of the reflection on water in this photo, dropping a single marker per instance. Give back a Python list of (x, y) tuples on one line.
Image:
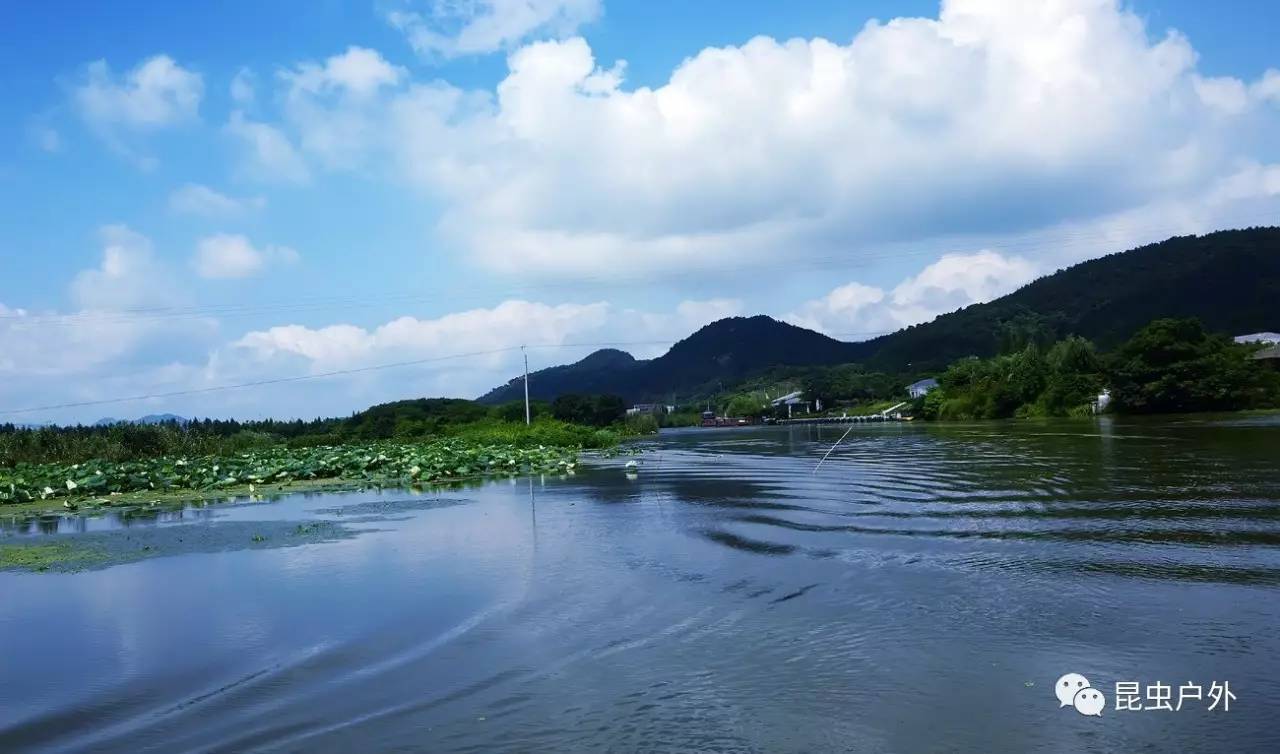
[(920, 592)]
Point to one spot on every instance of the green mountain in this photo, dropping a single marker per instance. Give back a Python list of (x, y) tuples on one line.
[(1230, 280), (722, 352)]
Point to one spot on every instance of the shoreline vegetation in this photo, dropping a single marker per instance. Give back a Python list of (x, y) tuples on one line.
[(104, 484), (1168, 366), (405, 444)]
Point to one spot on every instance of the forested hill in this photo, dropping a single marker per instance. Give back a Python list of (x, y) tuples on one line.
[(727, 350), (1230, 280)]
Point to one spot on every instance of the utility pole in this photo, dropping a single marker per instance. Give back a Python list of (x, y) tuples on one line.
[(527, 418)]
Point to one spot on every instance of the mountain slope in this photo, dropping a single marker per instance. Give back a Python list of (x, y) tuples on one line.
[(725, 350), (1230, 280), (600, 372)]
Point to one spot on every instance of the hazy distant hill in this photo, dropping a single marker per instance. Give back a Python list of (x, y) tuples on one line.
[(1230, 280), (148, 419)]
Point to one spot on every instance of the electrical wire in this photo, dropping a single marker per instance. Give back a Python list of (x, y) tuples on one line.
[(1027, 245), (314, 376)]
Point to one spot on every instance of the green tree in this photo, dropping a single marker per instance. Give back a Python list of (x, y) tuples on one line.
[(607, 409), (1174, 365), (1075, 377), (744, 406), (513, 411)]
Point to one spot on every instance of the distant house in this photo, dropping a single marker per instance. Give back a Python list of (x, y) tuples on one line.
[(921, 388), (791, 401), (1259, 337), (1103, 400), (1269, 356), (649, 409)]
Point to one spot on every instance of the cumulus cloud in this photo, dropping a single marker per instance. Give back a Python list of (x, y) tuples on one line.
[(862, 311), (334, 105), (121, 307), (129, 275), (196, 199), (996, 117), (156, 93), (242, 88), (555, 334), (268, 154), (358, 72), (508, 324), (449, 28), (226, 255)]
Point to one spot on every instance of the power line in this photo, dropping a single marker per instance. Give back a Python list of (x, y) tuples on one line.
[(315, 376), (1027, 245)]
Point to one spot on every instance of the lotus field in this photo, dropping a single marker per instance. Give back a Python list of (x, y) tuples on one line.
[(382, 463)]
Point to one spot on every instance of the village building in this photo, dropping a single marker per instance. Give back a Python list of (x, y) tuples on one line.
[(921, 388), (794, 401), (1259, 337), (650, 409)]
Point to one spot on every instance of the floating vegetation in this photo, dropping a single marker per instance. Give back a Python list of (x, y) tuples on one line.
[(68, 553), (375, 464), (42, 557)]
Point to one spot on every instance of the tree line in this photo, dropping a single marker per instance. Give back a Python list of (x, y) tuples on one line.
[(570, 419), (1168, 366)]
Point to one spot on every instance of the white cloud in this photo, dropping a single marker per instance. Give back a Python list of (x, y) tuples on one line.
[(450, 28), (556, 334), (1267, 88), (1225, 94), (129, 275), (997, 117), (129, 302), (957, 280), (96, 357), (269, 155), (861, 311), (233, 256), (47, 139), (242, 88), (196, 199), (155, 94), (334, 106), (358, 72)]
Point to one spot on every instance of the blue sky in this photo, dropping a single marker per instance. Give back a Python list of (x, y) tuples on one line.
[(209, 194)]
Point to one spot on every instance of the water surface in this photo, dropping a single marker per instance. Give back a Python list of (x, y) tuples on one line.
[(921, 592)]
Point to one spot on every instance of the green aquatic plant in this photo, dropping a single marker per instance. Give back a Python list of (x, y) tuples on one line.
[(375, 464), (41, 557)]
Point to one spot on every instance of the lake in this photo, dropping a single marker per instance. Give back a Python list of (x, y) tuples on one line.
[(923, 591)]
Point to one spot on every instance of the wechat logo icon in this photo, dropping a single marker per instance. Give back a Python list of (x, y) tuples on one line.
[(1073, 690)]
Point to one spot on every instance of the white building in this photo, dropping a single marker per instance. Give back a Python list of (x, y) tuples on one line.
[(921, 388), (652, 409), (792, 400), (1259, 337)]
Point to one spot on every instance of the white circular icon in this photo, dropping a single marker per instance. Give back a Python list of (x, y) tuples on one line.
[(1067, 686), (1089, 702)]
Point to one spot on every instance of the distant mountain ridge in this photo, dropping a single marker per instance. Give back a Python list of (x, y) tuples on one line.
[(148, 419), (1230, 280), (724, 350)]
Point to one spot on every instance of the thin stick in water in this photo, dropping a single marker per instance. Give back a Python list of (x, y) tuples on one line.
[(833, 447)]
